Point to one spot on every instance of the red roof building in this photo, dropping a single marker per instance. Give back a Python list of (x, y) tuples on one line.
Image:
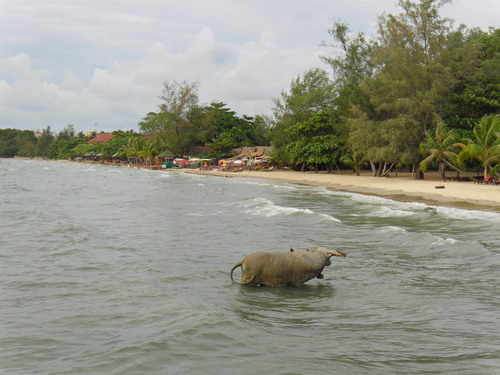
[(101, 138)]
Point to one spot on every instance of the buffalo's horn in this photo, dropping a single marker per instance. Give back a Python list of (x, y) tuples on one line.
[(337, 252)]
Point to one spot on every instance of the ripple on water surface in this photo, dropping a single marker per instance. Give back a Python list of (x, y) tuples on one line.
[(120, 270)]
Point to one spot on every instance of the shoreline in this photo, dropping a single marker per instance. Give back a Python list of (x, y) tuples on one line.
[(463, 194), (459, 194)]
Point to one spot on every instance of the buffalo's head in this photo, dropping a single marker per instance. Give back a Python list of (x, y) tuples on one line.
[(329, 253)]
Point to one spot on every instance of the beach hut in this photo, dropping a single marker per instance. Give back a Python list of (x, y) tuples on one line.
[(167, 164)]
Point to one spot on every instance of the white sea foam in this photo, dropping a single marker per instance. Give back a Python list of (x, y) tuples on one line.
[(385, 207), (391, 212), (421, 240), (267, 208), (257, 183), (262, 206), (330, 217), (392, 229), (461, 214), (444, 241)]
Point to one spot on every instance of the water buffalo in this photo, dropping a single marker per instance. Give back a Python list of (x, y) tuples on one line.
[(293, 268)]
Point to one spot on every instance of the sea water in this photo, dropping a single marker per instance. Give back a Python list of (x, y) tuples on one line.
[(112, 270)]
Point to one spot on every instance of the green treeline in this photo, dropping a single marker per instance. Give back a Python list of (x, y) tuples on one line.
[(422, 92), (392, 99)]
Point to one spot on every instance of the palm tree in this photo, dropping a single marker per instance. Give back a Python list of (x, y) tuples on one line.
[(132, 149), (484, 144), (439, 145), (150, 151), (356, 160)]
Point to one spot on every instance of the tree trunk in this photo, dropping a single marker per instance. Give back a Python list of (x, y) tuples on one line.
[(387, 170), (384, 170), (419, 174), (303, 169), (442, 169), (338, 169), (379, 170), (374, 168)]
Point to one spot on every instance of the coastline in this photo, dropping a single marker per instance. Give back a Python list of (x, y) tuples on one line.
[(401, 188), (459, 194)]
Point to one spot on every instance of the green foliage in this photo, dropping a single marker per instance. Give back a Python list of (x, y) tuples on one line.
[(85, 149), (415, 65), (354, 159), (350, 66), (44, 142), (473, 58), (316, 141), (439, 145), (182, 124), (67, 133), (15, 142), (172, 125), (152, 123), (62, 148), (309, 94), (219, 128), (484, 145)]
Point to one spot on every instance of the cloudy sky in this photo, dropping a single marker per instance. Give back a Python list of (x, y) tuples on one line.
[(101, 63)]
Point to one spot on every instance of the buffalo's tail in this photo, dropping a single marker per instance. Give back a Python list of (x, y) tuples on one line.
[(232, 269)]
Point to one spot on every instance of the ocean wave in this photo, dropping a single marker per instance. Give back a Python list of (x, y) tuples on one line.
[(444, 241), (265, 184), (330, 217), (391, 208), (424, 241), (392, 229), (385, 211), (462, 214), (267, 208)]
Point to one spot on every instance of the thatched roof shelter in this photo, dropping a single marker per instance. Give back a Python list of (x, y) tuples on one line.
[(253, 152)]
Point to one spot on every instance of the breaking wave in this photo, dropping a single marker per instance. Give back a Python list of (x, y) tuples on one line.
[(267, 208)]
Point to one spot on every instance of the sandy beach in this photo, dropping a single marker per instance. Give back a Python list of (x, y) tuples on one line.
[(431, 190)]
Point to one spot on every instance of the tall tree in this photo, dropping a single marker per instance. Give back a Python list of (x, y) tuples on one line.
[(309, 94), (315, 141), (473, 58), (351, 62), (44, 142), (67, 133), (405, 93), (172, 124)]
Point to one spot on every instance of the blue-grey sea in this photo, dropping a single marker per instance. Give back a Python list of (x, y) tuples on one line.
[(115, 270)]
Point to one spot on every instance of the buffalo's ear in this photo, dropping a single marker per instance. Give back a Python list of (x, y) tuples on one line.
[(292, 250)]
